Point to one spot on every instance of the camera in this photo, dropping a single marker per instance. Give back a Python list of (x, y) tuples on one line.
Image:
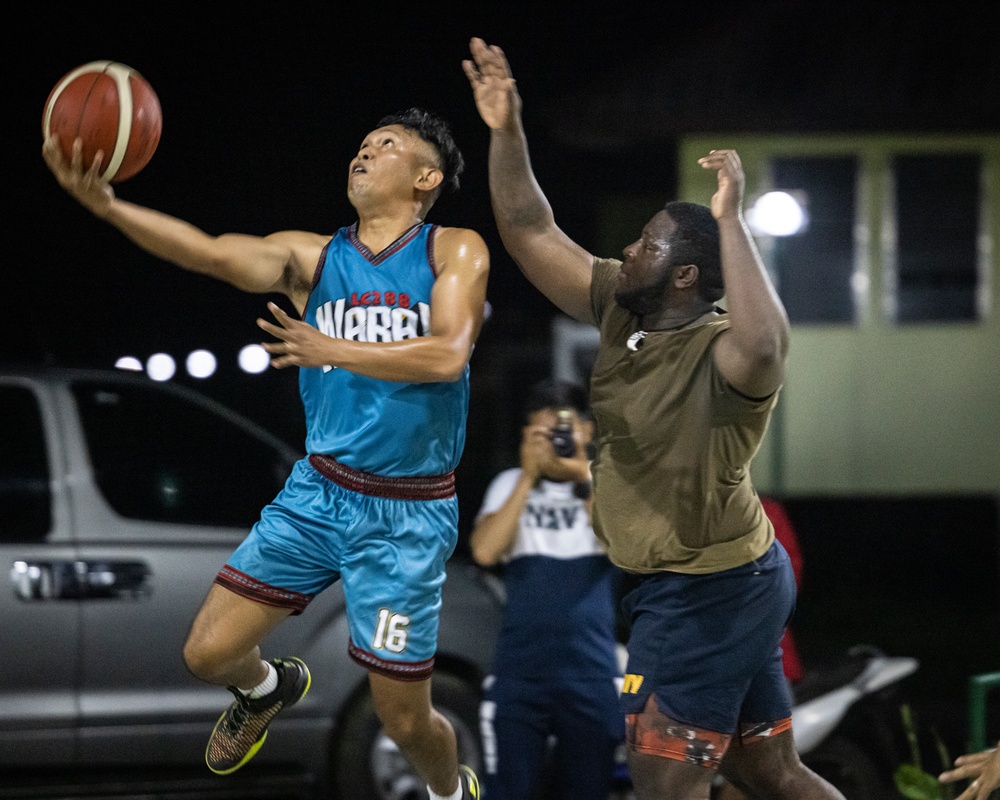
[(561, 435)]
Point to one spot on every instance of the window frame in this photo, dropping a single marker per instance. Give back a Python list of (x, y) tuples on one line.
[(875, 237)]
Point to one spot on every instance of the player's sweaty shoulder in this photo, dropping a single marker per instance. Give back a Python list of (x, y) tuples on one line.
[(461, 248)]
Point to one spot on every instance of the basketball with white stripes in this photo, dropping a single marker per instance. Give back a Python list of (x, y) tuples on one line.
[(112, 109)]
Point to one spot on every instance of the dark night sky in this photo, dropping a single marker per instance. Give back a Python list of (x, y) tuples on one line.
[(262, 114), (264, 108)]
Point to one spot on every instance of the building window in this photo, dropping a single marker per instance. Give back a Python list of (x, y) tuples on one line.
[(937, 217), (814, 268)]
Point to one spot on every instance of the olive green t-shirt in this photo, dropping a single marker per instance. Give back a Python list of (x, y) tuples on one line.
[(671, 476)]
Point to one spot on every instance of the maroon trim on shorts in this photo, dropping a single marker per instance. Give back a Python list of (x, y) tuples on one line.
[(246, 586), (400, 670), (416, 487)]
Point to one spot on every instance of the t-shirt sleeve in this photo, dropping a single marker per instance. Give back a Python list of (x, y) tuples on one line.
[(498, 491), (727, 397), (602, 286)]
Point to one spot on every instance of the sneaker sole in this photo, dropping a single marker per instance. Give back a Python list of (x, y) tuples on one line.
[(260, 742), (472, 782), (250, 753)]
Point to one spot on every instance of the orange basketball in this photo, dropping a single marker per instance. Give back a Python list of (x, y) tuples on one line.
[(113, 109)]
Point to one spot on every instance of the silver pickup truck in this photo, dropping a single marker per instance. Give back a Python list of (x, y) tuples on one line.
[(120, 499)]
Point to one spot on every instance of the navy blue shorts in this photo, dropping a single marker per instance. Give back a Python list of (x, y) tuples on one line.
[(704, 652)]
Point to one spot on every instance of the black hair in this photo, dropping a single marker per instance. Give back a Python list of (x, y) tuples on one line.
[(695, 240), (557, 394), (436, 132)]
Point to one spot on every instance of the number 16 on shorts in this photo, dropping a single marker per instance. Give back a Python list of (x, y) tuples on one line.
[(390, 631)]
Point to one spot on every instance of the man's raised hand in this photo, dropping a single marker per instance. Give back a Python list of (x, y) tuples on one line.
[(493, 86)]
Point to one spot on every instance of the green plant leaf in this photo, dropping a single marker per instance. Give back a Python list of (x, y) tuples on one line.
[(948, 789), (915, 784), (910, 727)]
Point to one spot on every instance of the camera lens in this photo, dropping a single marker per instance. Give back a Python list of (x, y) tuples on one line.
[(563, 443), (562, 436)]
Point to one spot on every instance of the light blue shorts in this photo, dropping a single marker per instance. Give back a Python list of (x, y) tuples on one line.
[(389, 553)]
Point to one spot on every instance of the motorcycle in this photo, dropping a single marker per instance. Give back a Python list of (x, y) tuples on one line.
[(845, 722)]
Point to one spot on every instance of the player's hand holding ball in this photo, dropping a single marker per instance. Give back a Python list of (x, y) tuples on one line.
[(113, 110), (101, 123)]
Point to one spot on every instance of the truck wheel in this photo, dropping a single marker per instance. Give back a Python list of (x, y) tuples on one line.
[(367, 763), (848, 768)]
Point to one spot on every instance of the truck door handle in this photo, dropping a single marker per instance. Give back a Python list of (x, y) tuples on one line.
[(80, 580)]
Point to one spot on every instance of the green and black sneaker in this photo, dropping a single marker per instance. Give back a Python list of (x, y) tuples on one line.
[(242, 729)]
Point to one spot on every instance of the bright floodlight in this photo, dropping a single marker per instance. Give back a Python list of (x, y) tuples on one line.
[(254, 359), (160, 367), (776, 214), (130, 363), (200, 364)]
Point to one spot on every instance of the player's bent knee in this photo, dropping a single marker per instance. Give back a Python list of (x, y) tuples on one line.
[(205, 661), (199, 661)]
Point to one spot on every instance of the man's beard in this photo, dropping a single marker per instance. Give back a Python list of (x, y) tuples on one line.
[(643, 300)]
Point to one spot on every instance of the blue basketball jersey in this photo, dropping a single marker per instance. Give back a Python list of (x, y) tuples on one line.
[(384, 427)]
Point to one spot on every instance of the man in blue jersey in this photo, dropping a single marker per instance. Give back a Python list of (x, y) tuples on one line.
[(390, 310), (555, 668)]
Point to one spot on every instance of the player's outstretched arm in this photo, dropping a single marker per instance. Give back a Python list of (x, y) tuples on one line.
[(751, 355), (251, 263), (555, 264)]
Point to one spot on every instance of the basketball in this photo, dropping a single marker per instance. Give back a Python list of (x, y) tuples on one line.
[(113, 109)]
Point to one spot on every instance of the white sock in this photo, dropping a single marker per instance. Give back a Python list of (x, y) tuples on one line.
[(456, 795), (266, 686)]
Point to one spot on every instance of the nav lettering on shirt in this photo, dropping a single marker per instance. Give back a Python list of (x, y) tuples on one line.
[(373, 317), (550, 518)]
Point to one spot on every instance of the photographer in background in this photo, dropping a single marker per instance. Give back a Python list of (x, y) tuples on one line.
[(555, 669)]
